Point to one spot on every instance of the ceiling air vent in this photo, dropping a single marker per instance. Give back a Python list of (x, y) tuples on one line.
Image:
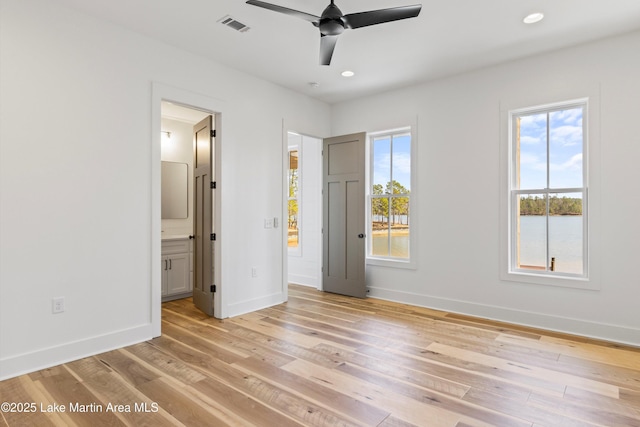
[(231, 22)]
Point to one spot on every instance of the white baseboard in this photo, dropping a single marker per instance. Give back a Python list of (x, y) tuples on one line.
[(14, 366), (301, 280), (585, 328), (248, 306)]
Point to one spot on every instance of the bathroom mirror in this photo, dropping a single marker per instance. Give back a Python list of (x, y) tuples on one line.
[(175, 190)]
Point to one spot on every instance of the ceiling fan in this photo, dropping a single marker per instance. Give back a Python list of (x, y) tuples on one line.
[(333, 22)]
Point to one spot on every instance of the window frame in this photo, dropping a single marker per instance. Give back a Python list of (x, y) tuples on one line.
[(509, 270), (295, 250), (410, 262)]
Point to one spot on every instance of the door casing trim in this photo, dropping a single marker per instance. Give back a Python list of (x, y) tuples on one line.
[(161, 92)]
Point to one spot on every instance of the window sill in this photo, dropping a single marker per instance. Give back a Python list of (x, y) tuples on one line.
[(393, 263), (551, 280)]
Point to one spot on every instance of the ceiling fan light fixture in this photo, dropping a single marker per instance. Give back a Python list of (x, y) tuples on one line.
[(532, 18), (348, 73)]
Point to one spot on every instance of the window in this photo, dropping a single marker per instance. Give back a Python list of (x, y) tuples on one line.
[(548, 191), (389, 191), (293, 176)]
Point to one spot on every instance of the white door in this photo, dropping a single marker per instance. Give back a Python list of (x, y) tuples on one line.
[(203, 255), (344, 246)]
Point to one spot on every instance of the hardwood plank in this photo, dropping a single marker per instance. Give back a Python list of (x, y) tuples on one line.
[(347, 337), (109, 387), (465, 374), (329, 360), (602, 415), (428, 380), (267, 393), (596, 402), (405, 409), (285, 346), (182, 375), (313, 307), (245, 406), (181, 406), (165, 363), (504, 382), (392, 421), (22, 390), (357, 411), (535, 373), (608, 353), (231, 345), (264, 328), (186, 320), (434, 398), (538, 416), (202, 339), (66, 390), (133, 372)]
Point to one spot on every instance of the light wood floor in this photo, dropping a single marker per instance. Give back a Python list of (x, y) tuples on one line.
[(328, 360)]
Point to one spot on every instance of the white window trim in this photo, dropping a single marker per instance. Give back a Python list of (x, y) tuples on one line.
[(411, 262), (591, 169)]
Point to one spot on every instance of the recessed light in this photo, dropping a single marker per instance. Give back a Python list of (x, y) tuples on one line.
[(532, 18), (348, 73)]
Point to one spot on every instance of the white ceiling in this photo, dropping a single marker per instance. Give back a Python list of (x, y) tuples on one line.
[(449, 37)]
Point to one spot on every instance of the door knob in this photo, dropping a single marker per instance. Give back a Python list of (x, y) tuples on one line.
[(361, 236)]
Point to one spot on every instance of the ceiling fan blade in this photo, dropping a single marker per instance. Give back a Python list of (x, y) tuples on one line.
[(306, 16), (327, 44), (373, 17)]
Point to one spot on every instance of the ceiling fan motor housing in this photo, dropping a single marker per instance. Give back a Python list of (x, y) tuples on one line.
[(331, 22)]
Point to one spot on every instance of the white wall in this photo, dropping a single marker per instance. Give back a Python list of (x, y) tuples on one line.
[(304, 264), (76, 186), (459, 175)]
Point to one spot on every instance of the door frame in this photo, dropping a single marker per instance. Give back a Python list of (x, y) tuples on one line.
[(285, 206), (189, 99)]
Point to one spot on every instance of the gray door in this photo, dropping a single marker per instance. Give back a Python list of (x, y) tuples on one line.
[(343, 260), (203, 218)]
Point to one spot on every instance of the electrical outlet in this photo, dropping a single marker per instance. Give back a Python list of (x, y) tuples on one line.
[(268, 223), (254, 272), (58, 305)]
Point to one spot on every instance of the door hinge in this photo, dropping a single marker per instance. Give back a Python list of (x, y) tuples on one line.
[(213, 288), (213, 133), (213, 185), (213, 236)]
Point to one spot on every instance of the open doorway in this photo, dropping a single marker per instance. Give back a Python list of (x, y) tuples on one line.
[(192, 103), (188, 201), (304, 210)]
